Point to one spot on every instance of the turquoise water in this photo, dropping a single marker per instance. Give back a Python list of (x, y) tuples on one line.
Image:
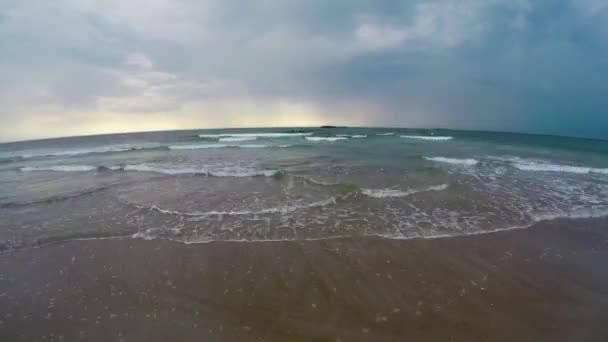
[(292, 184)]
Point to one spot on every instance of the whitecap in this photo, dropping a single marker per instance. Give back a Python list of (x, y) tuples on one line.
[(427, 137), (465, 161), (253, 135), (92, 150), (60, 168), (196, 146), (386, 134), (233, 139), (316, 139), (185, 170)]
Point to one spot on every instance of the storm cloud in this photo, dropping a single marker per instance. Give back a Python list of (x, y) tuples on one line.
[(72, 67)]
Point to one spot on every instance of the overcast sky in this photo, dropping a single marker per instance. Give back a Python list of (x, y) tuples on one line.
[(70, 67)]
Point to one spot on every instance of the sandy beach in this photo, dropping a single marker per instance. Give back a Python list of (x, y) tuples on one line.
[(546, 283)]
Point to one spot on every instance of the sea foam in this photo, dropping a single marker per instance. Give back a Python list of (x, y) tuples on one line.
[(231, 139), (60, 168), (253, 135), (547, 167), (465, 161), (391, 192), (427, 137), (317, 139)]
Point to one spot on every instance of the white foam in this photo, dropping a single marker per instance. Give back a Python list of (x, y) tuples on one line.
[(161, 169), (578, 214), (231, 139), (317, 139), (547, 167), (206, 146), (243, 173), (184, 170), (466, 161), (100, 149), (60, 168), (386, 134), (391, 192), (427, 137), (275, 210), (254, 135), (196, 146), (355, 136), (254, 146)]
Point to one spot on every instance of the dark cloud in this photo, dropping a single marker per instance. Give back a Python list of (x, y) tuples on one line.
[(533, 66)]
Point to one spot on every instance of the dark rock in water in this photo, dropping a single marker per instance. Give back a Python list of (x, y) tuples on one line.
[(329, 126)]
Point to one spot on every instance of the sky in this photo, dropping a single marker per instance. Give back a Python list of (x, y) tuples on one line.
[(75, 67)]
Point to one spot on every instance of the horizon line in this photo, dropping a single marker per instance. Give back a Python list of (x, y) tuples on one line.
[(308, 127)]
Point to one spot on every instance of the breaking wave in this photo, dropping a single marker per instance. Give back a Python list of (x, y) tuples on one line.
[(93, 150), (465, 161), (60, 168), (162, 169), (232, 139), (317, 139), (547, 167), (253, 135), (427, 137)]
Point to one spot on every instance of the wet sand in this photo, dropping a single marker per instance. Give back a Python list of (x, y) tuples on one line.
[(547, 283)]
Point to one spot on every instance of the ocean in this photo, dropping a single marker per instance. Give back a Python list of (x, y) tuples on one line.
[(294, 184)]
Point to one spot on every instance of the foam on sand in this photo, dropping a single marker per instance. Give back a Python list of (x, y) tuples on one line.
[(465, 161), (318, 139), (427, 137)]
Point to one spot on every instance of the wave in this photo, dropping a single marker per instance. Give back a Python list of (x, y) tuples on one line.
[(547, 167), (60, 168), (227, 172), (354, 136), (253, 135), (385, 134), (427, 137), (93, 150), (232, 139), (274, 210), (390, 192), (58, 198), (205, 146), (317, 139), (168, 170), (466, 161), (196, 146)]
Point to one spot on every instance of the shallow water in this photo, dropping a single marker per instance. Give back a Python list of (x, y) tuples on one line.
[(294, 184)]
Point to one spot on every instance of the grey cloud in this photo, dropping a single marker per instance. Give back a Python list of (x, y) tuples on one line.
[(496, 64)]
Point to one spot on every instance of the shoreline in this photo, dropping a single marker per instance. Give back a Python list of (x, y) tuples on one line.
[(543, 283)]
